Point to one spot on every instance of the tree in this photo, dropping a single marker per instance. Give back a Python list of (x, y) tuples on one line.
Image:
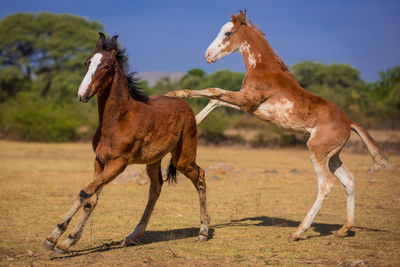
[(192, 79), (163, 86), (385, 98), (224, 79), (46, 48), (41, 67)]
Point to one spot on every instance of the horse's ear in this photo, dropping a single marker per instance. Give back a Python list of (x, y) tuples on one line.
[(99, 44), (240, 18), (114, 41)]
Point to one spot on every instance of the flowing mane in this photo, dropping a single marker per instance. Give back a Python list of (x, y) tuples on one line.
[(131, 77)]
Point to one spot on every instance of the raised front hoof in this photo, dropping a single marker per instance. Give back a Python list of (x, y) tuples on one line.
[(48, 244), (295, 237), (171, 94), (202, 238), (60, 251)]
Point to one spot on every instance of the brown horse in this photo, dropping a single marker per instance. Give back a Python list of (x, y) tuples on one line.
[(270, 92), (133, 128)]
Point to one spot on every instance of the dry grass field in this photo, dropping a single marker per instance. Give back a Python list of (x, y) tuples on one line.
[(256, 198)]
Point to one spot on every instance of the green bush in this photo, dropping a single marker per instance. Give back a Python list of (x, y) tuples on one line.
[(33, 118)]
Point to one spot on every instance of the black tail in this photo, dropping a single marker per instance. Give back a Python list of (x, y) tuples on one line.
[(171, 173)]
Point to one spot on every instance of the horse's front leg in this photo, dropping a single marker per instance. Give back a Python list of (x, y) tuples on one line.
[(52, 239), (87, 198), (233, 98), (212, 104)]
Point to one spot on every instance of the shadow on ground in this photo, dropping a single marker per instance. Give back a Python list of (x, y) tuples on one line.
[(148, 238), (323, 229)]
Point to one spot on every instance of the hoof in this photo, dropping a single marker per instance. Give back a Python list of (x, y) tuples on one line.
[(340, 234), (294, 237), (202, 238), (58, 251), (48, 244), (128, 242)]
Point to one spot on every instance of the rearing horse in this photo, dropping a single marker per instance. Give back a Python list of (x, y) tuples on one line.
[(133, 128), (270, 92)]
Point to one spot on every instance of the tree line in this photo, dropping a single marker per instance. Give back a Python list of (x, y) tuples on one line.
[(41, 67)]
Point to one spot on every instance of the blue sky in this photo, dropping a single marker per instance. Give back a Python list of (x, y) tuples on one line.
[(173, 35)]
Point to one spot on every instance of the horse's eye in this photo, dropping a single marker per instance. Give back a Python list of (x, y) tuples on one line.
[(228, 33), (106, 67)]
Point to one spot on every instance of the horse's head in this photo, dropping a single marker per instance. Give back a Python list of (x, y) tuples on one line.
[(100, 67), (229, 38)]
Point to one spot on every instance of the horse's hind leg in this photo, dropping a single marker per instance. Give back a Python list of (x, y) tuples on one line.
[(346, 178), (184, 159), (156, 181), (325, 185), (323, 144), (52, 239), (197, 176)]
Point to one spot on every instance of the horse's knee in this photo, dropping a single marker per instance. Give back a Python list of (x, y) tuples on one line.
[(326, 187), (83, 196)]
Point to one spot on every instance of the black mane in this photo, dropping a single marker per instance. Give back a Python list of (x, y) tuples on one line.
[(131, 77)]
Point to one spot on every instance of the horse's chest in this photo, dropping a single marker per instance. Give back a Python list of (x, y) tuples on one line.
[(280, 113)]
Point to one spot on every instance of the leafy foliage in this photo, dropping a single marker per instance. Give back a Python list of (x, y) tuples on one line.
[(41, 66), (46, 48), (384, 98), (41, 58)]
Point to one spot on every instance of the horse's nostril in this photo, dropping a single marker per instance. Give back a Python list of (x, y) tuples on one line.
[(84, 98)]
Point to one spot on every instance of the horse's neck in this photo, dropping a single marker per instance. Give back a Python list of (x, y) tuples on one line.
[(261, 61), (115, 101)]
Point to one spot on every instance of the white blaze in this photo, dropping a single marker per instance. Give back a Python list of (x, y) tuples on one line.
[(93, 64), (214, 50)]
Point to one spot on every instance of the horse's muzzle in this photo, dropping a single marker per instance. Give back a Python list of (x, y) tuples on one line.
[(85, 97)]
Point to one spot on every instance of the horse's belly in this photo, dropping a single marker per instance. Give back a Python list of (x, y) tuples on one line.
[(281, 114)]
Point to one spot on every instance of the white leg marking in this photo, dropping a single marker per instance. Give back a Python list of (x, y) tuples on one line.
[(347, 180), (210, 107), (324, 189)]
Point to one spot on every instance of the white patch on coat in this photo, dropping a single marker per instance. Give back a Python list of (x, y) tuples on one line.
[(345, 179), (213, 52), (93, 64), (251, 59), (281, 114)]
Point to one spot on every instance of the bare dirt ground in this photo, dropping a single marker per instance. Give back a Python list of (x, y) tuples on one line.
[(256, 198)]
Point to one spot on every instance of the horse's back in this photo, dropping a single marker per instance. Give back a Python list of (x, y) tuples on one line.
[(171, 106)]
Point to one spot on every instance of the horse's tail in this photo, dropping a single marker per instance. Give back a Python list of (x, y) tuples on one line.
[(380, 161), (171, 173)]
